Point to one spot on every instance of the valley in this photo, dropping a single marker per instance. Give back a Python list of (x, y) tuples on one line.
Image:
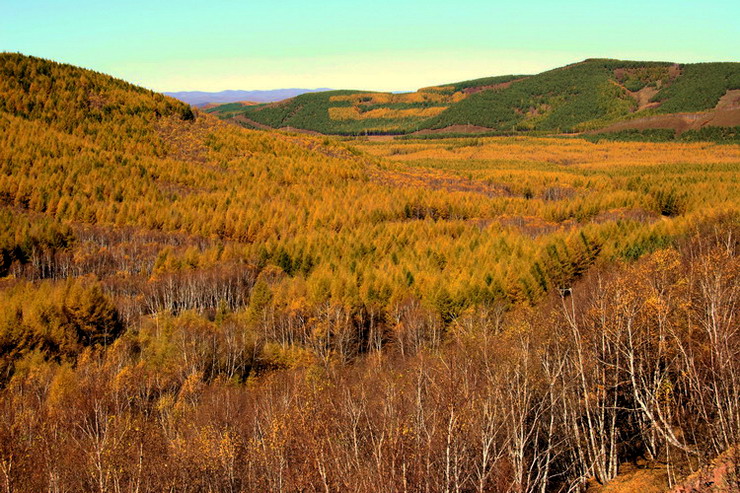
[(190, 305)]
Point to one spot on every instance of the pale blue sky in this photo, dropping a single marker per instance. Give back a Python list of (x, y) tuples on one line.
[(379, 45)]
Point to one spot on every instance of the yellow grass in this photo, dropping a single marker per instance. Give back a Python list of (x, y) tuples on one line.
[(557, 151), (353, 113)]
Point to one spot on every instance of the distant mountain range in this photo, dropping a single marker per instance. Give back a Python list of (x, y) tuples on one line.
[(201, 98)]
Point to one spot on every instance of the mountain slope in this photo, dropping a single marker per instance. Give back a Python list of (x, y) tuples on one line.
[(594, 93), (585, 96), (87, 147), (354, 112)]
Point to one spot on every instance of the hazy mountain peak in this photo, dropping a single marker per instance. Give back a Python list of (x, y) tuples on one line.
[(202, 98)]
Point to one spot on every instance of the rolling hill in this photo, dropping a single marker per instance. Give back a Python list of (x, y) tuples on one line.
[(590, 96)]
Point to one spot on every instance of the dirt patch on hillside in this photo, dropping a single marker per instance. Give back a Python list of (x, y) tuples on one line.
[(725, 114), (455, 129), (643, 97), (725, 118), (680, 122), (730, 101)]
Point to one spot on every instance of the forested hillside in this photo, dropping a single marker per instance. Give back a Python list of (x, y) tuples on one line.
[(187, 305), (358, 112), (586, 96), (591, 94)]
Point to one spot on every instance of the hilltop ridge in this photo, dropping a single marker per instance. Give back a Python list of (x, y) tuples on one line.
[(589, 96)]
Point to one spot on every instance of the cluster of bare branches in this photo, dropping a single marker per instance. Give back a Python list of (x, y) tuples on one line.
[(636, 363)]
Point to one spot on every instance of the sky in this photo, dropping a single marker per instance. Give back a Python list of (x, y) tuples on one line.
[(381, 45)]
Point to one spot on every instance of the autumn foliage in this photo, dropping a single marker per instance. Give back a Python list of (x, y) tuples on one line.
[(187, 305)]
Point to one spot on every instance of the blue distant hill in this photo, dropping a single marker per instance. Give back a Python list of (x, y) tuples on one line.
[(201, 98)]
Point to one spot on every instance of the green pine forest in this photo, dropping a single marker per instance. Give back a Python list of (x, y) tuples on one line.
[(582, 97)]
